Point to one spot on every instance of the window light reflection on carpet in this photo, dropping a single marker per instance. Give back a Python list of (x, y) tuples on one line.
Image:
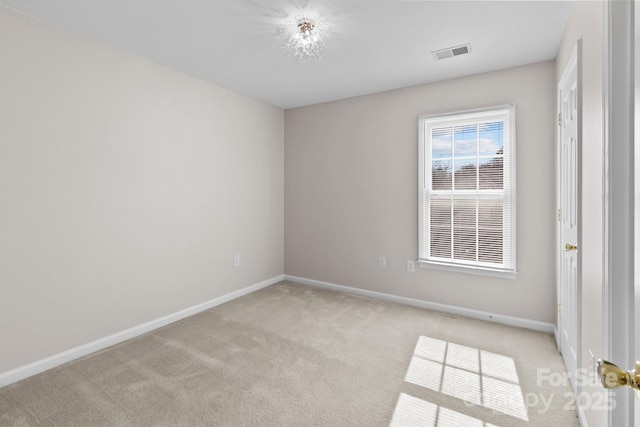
[(477, 377), (412, 411)]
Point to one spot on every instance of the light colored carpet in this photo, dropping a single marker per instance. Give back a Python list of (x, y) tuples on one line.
[(293, 355)]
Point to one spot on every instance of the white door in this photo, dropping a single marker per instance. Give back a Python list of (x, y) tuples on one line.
[(634, 315), (622, 104), (634, 324), (568, 217)]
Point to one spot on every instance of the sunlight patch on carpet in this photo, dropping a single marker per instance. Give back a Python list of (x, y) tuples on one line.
[(413, 412), (477, 377)]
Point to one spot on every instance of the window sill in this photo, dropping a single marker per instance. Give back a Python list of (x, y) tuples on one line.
[(457, 268)]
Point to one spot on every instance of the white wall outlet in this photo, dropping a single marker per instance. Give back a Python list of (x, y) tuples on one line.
[(411, 266), (382, 262), (236, 260)]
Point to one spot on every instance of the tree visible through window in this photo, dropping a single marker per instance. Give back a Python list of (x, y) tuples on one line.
[(467, 190)]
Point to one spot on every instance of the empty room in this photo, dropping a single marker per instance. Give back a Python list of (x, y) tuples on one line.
[(317, 213)]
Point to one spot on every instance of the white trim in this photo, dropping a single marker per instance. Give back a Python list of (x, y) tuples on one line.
[(480, 271), (556, 336), (45, 364), (460, 311)]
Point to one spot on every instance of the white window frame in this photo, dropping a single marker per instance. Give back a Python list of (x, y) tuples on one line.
[(508, 194)]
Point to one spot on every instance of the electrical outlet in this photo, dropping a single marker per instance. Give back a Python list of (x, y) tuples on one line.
[(411, 266), (236, 261), (382, 262)]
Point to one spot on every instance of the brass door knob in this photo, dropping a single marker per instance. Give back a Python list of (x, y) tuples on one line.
[(569, 247), (612, 376)]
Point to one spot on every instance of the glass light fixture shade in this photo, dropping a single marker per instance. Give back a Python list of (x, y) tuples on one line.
[(305, 38)]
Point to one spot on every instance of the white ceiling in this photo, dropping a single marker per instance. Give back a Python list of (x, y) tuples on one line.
[(375, 45)]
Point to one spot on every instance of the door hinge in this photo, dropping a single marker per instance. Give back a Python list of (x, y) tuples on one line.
[(559, 310), (559, 214), (559, 119)]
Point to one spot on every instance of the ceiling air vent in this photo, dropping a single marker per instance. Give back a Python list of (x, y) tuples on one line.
[(451, 51)]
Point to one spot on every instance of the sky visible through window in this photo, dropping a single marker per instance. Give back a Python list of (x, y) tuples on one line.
[(467, 156), (482, 141)]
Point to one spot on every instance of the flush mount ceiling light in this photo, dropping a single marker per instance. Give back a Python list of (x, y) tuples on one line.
[(306, 38)]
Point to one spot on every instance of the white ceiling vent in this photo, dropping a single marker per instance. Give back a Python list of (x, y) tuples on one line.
[(451, 51)]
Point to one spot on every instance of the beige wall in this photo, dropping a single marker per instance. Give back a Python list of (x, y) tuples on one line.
[(351, 192), (126, 190), (586, 24)]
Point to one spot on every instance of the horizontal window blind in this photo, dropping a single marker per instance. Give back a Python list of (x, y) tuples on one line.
[(467, 189)]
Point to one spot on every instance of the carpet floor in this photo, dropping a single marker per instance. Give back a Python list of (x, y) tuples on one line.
[(293, 355)]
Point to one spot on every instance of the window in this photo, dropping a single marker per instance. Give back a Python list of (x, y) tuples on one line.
[(467, 191)]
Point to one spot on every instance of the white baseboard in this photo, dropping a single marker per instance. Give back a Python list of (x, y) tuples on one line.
[(466, 312), (39, 366)]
